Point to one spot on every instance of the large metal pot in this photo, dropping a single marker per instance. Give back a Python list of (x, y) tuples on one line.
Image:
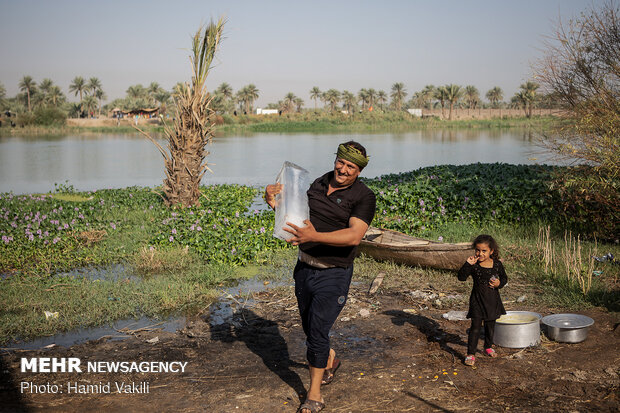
[(517, 329), (567, 328)]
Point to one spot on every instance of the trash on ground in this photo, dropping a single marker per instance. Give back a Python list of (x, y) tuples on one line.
[(49, 314), (455, 315), (376, 283)]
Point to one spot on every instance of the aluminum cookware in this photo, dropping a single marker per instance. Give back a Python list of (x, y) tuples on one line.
[(567, 328), (517, 329)]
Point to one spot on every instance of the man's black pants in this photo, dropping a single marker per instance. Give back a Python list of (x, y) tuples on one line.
[(321, 295)]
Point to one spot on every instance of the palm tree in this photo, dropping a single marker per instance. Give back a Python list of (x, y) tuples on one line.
[(193, 129), (152, 90), (315, 93), (348, 101), (332, 96), (162, 97), (529, 94), (440, 96), (299, 103), (94, 84), (78, 86), (372, 94), (363, 97), (100, 95), (136, 91), (55, 95), (241, 97), (46, 85), (289, 102), (89, 104), (495, 95), (519, 100), (427, 95), (225, 90), (2, 95), (398, 94), (251, 95), (453, 94), (381, 98), (472, 96), (27, 84)]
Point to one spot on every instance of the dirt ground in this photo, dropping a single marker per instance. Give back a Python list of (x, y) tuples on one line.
[(392, 361)]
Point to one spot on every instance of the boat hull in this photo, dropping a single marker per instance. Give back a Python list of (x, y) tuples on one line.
[(387, 245)]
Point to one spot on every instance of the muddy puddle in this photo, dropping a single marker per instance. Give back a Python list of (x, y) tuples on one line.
[(119, 330), (239, 297), (114, 272), (232, 299)]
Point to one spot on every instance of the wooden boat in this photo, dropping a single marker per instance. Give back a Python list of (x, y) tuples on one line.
[(388, 245)]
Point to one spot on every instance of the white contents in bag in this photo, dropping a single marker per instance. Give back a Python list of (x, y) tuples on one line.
[(292, 202)]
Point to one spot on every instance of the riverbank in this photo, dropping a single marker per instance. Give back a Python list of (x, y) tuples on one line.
[(304, 122), (398, 353), (175, 260)]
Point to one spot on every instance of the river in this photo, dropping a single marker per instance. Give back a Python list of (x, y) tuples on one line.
[(97, 161)]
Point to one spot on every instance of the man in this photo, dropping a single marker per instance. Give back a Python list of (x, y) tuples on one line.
[(341, 209)]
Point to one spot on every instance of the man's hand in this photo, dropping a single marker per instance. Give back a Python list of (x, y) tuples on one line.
[(346, 237), (270, 194), (300, 234)]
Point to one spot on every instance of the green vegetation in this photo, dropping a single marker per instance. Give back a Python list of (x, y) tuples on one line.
[(430, 197), (366, 122), (175, 259), (582, 69)]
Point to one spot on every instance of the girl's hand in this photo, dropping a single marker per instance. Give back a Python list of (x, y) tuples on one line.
[(494, 282), (472, 260)]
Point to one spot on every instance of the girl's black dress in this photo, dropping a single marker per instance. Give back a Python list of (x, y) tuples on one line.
[(484, 301)]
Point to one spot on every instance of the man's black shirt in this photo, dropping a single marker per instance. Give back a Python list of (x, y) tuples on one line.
[(331, 213)]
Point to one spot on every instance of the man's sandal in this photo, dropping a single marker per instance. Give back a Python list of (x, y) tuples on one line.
[(328, 374), (470, 360), (311, 406), (490, 352)]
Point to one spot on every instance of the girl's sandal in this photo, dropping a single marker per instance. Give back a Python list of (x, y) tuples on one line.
[(490, 352), (470, 360)]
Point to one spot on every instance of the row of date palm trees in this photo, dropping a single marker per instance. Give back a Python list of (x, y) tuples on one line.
[(47, 94), (446, 97)]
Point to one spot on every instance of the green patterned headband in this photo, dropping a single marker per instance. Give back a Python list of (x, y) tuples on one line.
[(352, 154)]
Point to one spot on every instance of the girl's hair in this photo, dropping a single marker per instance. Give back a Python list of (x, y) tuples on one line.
[(490, 241)]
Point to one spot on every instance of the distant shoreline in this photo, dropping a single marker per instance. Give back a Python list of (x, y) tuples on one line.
[(306, 122)]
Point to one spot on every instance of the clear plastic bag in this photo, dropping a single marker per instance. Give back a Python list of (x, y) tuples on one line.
[(292, 202)]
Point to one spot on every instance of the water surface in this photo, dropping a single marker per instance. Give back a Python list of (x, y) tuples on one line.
[(97, 161)]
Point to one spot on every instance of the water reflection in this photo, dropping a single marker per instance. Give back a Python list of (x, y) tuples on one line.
[(95, 161)]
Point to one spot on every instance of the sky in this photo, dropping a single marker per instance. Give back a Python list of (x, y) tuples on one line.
[(281, 46)]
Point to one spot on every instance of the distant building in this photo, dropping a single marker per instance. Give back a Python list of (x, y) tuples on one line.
[(415, 112), (261, 111)]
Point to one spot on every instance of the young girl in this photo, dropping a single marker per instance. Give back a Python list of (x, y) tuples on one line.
[(484, 302)]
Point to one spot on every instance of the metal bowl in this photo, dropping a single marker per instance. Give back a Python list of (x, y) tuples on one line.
[(517, 329), (567, 328)]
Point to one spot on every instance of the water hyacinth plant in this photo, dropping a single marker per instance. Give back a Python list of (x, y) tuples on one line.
[(417, 201)]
